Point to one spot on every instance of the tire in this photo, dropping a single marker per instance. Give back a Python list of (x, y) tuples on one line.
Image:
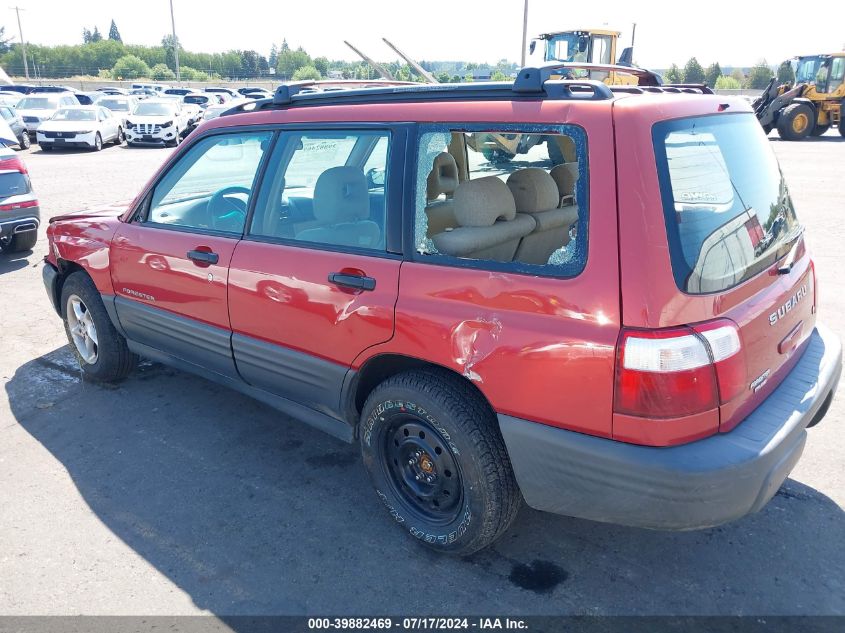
[(819, 130), (497, 156), (555, 155), (842, 118), (24, 142), (111, 358), (454, 489), (175, 142), (119, 139), (767, 129), (796, 122), (98, 143), (22, 242), (45, 147)]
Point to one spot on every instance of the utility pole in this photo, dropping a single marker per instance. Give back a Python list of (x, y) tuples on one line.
[(524, 32), (23, 42), (175, 42), (633, 34)]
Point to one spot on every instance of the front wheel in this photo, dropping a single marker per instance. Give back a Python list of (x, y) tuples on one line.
[(99, 348), (432, 447), (796, 122), (119, 139), (24, 142), (98, 142)]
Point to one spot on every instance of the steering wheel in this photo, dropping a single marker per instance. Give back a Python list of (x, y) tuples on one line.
[(228, 213)]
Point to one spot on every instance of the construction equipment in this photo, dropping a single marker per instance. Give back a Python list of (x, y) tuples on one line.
[(810, 105), (587, 46)]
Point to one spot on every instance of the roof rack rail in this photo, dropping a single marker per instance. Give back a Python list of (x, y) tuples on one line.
[(302, 94), (671, 88)]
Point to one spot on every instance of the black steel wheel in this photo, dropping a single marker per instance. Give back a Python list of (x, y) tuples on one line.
[(432, 447)]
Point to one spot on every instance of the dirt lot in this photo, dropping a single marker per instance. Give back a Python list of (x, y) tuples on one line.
[(170, 495)]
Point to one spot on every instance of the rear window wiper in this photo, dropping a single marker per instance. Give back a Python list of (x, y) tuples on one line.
[(789, 261)]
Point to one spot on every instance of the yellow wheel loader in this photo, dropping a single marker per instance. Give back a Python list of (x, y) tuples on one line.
[(811, 105)]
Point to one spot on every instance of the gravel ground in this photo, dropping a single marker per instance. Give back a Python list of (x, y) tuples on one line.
[(167, 494)]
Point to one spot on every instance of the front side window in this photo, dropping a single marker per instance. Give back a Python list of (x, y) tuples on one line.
[(508, 198), (211, 185), (326, 187), (728, 211)]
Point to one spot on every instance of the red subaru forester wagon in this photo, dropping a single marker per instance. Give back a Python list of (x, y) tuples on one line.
[(595, 299)]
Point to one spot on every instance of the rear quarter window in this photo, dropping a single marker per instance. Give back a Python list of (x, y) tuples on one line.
[(727, 208)]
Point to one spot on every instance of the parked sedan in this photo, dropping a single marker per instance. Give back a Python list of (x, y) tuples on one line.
[(16, 125), (80, 126)]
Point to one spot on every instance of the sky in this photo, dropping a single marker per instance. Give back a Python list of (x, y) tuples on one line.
[(734, 33)]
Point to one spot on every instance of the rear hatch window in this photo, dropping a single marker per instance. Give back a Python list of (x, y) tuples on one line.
[(13, 183), (728, 212)]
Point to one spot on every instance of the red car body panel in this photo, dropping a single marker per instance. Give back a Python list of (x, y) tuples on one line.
[(652, 298), (150, 266), (85, 239), (281, 297)]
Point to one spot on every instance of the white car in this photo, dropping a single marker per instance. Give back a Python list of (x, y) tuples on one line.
[(80, 126), (37, 108), (121, 105), (156, 122), (214, 111)]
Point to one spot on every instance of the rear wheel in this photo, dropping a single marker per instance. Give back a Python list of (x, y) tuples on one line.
[(796, 122), (22, 241), (119, 139), (842, 118), (99, 348), (432, 447)]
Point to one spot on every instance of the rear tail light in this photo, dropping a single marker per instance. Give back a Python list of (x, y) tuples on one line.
[(678, 372), (27, 204)]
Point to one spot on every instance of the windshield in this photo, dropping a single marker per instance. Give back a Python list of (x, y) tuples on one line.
[(196, 99), (807, 69), (568, 47), (727, 209), (70, 114), (154, 109), (120, 105), (38, 103)]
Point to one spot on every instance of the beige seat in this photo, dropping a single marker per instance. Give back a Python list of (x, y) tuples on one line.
[(442, 181), (536, 195), (488, 225), (565, 176), (342, 205)]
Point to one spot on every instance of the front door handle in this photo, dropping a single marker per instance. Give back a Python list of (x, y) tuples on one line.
[(357, 282), (203, 257)]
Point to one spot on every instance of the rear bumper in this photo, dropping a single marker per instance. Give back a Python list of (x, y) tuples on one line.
[(686, 487), (27, 221)]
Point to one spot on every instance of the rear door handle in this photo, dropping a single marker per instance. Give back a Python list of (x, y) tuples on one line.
[(352, 281), (203, 257)]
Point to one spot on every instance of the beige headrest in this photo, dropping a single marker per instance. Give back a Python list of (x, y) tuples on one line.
[(565, 176), (533, 190), (443, 177), (341, 195), (482, 201)]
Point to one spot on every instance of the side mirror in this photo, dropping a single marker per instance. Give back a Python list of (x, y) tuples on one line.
[(375, 178), (532, 46)]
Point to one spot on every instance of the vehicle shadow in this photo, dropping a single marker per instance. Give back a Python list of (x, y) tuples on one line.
[(13, 261), (251, 513)]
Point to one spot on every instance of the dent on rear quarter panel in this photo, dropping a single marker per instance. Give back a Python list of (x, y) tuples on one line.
[(538, 348)]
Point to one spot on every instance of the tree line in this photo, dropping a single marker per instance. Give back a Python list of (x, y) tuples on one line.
[(110, 58), (757, 77)]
